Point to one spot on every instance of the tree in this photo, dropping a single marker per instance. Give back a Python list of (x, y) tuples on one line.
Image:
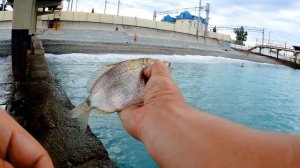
[(241, 35)]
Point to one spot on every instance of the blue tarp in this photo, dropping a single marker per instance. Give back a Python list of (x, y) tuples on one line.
[(168, 18), (185, 15)]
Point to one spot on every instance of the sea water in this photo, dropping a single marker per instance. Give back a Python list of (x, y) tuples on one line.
[(261, 96)]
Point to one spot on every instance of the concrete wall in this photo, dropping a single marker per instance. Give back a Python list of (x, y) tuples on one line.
[(6, 15), (129, 21), (298, 58), (5, 25), (119, 21)]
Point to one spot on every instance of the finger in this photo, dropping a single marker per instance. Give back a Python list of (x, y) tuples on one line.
[(158, 68), (126, 113), (22, 149), (4, 164), (130, 118)]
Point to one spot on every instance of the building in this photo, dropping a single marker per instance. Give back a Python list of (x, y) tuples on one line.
[(297, 55), (188, 20)]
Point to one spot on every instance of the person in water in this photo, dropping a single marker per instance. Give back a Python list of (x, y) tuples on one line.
[(174, 133)]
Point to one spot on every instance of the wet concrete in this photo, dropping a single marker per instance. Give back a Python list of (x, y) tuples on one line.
[(41, 106), (5, 80), (5, 48)]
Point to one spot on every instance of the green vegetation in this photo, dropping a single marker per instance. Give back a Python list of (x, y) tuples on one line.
[(241, 35)]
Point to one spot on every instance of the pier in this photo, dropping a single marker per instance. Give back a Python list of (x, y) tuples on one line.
[(38, 102), (278, 49)]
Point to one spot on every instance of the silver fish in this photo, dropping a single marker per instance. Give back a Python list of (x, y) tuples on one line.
[(117, 87)]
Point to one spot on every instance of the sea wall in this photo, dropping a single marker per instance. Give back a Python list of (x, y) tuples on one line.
[(129, 25)]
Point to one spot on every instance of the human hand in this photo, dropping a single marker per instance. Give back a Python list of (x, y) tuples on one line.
[(19, 147), (161, 95)]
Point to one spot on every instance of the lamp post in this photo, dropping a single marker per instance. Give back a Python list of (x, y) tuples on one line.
[(72, 5), (68, 5), (199, 14), (118, 8), (76, 5), (105, 6)]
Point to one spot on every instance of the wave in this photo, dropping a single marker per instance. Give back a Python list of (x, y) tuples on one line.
[(80, 58)]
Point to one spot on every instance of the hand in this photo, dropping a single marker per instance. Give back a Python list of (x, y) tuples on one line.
[(161, 95), (19, 146), (177, 135)]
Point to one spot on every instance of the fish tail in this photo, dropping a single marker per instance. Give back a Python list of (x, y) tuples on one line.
[(82, 113)]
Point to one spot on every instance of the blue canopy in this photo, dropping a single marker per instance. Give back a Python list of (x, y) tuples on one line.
[(168, 18)]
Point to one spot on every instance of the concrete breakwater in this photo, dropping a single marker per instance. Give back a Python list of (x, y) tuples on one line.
[(41, 106)]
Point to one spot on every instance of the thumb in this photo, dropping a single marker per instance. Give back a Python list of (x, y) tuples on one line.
[(158, 68)]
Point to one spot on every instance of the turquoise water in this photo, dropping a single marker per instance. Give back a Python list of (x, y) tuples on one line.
[(261, 96)]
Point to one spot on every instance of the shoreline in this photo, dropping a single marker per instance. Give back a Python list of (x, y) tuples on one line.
[(89, 47)]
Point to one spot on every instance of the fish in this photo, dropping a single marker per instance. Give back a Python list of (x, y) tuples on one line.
[(114, 88)]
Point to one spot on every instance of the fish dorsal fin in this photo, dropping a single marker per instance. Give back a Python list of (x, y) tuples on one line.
[(94, 77)]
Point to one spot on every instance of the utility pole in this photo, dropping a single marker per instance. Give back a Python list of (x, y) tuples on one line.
[(105, 6), (154, 15), (269, 41), (68, 5), (71, 5), (263, 36), (285, 47), (207, 19), (118, 7), (198, 21), (76, 5), (262, 40)]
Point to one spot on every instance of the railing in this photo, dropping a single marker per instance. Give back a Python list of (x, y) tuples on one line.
[(284, 55)]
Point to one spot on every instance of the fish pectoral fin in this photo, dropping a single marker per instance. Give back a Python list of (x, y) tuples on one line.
[(94, 77)]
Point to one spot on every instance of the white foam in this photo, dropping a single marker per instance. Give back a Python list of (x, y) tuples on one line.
[(3, 107), (84, 58)]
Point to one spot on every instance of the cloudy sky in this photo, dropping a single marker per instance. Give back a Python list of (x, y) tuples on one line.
[(280, 18)]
